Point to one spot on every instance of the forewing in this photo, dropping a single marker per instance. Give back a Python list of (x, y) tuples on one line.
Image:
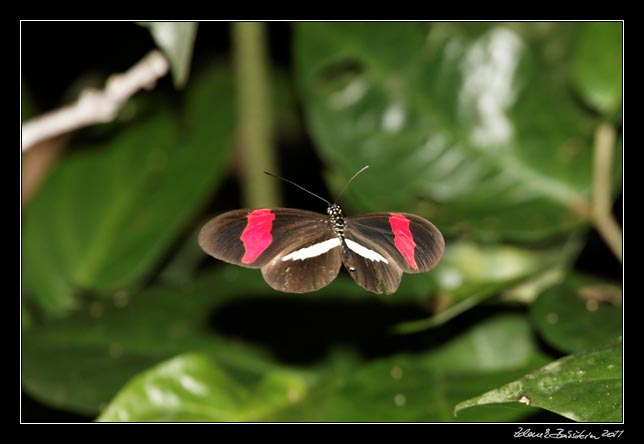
[(252, 238), (414, 243)]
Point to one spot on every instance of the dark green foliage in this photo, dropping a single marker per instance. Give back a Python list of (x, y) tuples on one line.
[(485, 129)]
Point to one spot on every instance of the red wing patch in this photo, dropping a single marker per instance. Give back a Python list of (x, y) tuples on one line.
[(257, 234), (403, 239)]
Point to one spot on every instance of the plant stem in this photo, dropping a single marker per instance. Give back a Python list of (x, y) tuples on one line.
[(602, 215), (254, 132)]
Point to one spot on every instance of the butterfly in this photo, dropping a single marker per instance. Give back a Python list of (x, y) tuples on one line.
[(300, 251)]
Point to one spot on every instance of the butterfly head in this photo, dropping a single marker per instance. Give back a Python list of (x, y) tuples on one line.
[(334, 211)]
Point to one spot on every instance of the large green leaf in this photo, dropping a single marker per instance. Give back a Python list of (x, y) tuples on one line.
[(421, 387), (78, 363), (106, 213), (194, 387), (578, 314), (470, 274), (427, 387), (470, 125), (597, 65), (586, 386)]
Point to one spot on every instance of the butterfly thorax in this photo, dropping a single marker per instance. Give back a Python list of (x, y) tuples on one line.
[(337, 219)]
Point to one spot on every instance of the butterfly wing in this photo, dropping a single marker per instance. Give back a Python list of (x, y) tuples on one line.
[(296, 250), (299, 251), (370, 266), (307, 265), (389, 244)]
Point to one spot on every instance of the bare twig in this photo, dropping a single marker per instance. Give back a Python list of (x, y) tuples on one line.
[(602, 189), (95, 106)]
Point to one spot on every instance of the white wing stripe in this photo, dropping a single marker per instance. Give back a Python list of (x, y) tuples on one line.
[(312, 251), (365, 252)]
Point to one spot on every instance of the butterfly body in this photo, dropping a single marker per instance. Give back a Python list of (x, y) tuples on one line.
[(300, 251)]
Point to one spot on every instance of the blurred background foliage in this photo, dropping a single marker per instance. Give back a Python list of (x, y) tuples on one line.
[(487, 129)]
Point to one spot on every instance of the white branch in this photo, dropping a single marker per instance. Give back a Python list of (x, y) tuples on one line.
[(95, 106)]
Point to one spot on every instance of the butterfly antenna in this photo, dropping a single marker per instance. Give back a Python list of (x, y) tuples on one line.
[(299, 186), (350, 180)]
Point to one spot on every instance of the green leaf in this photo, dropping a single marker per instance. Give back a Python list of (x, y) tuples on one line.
[(578, 314), (25, 318), (107, 213), (471, 273), (421, 394), (585, 387), (502, 342), (80, 362), (426, 387), (194, 387), (470, 126), (421, 387), (176, 39), (597, 65)]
